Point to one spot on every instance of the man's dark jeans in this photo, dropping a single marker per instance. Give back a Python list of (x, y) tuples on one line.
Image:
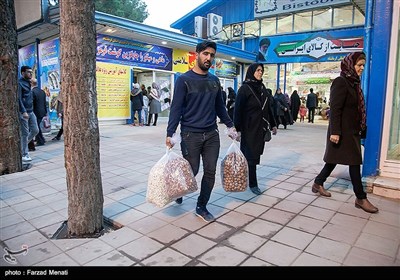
[(207, 145)]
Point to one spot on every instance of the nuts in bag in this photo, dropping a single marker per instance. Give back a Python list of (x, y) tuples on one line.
[(234, 170), (170, 178)]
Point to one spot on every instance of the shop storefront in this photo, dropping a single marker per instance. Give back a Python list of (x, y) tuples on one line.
[(390, 155)]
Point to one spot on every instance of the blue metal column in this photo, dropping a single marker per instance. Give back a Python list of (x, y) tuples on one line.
[(376, 96)]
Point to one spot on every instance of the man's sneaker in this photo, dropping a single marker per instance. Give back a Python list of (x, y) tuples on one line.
[(203, 213), (26, 158), (179, 200)]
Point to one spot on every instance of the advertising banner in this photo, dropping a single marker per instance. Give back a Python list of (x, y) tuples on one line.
[(113, 89), (50, 78), (122, 51), (27, 56), (313, 47)]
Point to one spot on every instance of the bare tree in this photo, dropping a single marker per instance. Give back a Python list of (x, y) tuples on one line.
[(10, 141), (81, 138)]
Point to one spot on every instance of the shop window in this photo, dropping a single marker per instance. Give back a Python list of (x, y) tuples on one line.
[(268, 26), (343, 16), (251, 28), (359, 18), (322, 19), (285, 24), (302, 21)]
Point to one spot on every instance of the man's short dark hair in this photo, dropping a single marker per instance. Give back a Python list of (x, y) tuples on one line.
[(24, 68), (265, 41), (204, 45)]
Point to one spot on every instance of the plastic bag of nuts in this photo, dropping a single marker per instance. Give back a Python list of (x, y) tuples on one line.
[(170, 178), (234, 170)]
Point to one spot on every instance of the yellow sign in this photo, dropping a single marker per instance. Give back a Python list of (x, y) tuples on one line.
[(180, 61), (113, 88)]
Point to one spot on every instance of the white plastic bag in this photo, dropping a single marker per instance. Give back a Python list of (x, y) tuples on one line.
[(234, 170), (170, 178)]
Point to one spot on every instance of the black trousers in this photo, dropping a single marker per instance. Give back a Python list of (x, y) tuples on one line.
[(355, 176)]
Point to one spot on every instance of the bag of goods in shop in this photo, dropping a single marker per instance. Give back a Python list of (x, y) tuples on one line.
[(234, 170), (170, 178)]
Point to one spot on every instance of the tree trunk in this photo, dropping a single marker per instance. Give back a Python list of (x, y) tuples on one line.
[(81, 130), (10, 139)]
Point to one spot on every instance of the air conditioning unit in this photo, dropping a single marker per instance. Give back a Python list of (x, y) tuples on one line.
[(200, 27), (214, 26)]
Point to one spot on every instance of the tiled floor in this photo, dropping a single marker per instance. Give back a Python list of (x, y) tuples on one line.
[(287, 225)]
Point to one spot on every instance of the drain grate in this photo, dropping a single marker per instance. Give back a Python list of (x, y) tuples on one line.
[(62, 231)]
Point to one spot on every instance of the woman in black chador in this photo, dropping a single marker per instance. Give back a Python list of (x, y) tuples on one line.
[(253, 116)]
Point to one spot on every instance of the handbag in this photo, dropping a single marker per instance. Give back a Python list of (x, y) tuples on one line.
[(267, 135)]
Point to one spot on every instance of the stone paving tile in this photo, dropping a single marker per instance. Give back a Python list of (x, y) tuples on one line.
[(340, 233), (265, 200), (306, 224), (147, 224), (193, 245), (244, 242), (27, 205), (133, 200), (89, 251), (327, 203), (306, 259), (382, 230), (119, 237), (235, 219), (277, 254), (167, 257), (386, 217), (15, 230), (36, 212), (285, 236), (38, 254), (263, 228), (301, 197), (61, 260), (255, 262), (113, 258), (378, 244), (291, 206), (277, 216), (46, 220), (30, 239), (348, 221), (215, 231), (127, 217), (167, 234), (317, 213), (223, 256), (114, 208), (363, 257), (228, 202), (328, 249), (277, 192), (252, 209), (141, 248)]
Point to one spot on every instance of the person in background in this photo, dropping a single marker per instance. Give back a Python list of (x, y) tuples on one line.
[(303, 112), (224, 97), (281, 107), (196, 104), (311, 104), (60, 114), (155, 104), (29, 126), (231, 102), (40, 110), (347, 124), (253, 117), (136, 104), (295, 104), (145, 109)]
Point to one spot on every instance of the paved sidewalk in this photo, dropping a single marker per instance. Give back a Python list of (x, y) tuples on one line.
[(287, 225)]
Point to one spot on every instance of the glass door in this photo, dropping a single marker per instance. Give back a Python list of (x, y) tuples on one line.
[(390, 155)]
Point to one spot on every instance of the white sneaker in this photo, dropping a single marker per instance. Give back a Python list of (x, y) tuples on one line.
[(26, 158)]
